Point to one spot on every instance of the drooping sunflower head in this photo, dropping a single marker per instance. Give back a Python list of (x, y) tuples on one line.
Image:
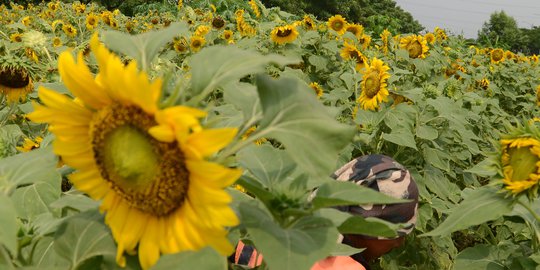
[(374, 87), (309, 23), (196, 43), (497, 55), (534, 58), (350, 52), (26, 20), (440, 34), (148, 165), (15, 83), (218, 23), (430, 38), (356, 29), (416, 46), (92, 21), (520, 160), (337, 23), (317, 88), (284, 34)]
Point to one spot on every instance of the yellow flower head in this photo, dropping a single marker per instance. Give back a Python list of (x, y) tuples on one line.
[(309, 23), (26, 21), (365, 40), (509, 55), (284, 34), (416, 46), (69, 30), (29, 144), (520, 161), (147, 165), (317, 89), (337, 23), (497, 56), (374, 90), (16, 37), (250, 132), (356, 29), (57, 42), (255, 8), (350, 52), (15, 84), (218, 22), (196, 43), (181, 45), (227, 35), (202, 30), (440, 34), (430, 38), (92, 21), (484, 83)]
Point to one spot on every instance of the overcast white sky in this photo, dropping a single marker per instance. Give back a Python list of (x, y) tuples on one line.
[(467, 16)]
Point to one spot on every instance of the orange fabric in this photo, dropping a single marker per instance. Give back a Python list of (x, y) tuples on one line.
[(338, 263), (254, 260)]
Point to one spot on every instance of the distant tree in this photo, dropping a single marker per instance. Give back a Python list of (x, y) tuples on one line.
[(502, 31)]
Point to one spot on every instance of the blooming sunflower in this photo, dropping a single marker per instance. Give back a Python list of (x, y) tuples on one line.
[(249, 132), (416, 46), (309, 23), (430, 38), (497, 56), (349, 52), (69, 30), (337, 23), (15, 83), (57, 42), (520, 161), (384, 38), (196, 43), (92, 21), (356, 29), (317, 89), (373, 85), (365, 40), (148, 166), (509, 55), (180, 45), (227, 35), (26, 20), (284, 34), (202, 30), (16, 37)]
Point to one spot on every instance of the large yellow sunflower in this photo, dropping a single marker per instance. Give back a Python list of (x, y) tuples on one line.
[(497, 55), (521, 163), (356, 29), (284, 34), (373, 85), (148, 166), (350, 52), (92, 21), (337, 23), (15, 84), (416, 46)]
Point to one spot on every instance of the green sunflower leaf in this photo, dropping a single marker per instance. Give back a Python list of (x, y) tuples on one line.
[(480, 205), (8, 230), (205, 259), (297, 247), (143, 47), (218, 65), (266, 163), (294, 116), (84, 237)]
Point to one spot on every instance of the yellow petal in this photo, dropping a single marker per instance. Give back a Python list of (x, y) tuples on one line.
[(162, 133), (212, 174), (207, 142), (148, 247)]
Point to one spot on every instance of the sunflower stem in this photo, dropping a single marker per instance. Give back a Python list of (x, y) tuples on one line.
[(6, 257), (533, 213)]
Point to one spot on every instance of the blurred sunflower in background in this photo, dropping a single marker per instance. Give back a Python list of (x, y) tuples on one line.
[(496, 56), (15, 79), (350, 52), (337, 23), (356, 29), (196, 43), (317, 88), (284, 34), (416, 46), (164, 196), (374, 87)]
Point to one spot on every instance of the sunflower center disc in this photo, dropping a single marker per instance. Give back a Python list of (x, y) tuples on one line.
[(372, 85), (284, 33), (337, 26), (150, 175), (523, 163), (415, 49), (14, 78), (497, 55)]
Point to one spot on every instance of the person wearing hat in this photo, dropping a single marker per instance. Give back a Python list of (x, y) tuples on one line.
[(382, 174)]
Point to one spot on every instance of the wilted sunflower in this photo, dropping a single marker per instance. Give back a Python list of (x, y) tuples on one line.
[(69, 30), (416, 46), (309, 23), (430, 38), (373, 85), (196, 43), (317, 89), (147, 165), (284, 34), (15, 84), (350, 52), (92, 21), (356, 29), (16, 37), (337, 23), (218, 23), (497, 56)]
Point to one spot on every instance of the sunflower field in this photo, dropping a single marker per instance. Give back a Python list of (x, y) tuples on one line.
[(160, 141)]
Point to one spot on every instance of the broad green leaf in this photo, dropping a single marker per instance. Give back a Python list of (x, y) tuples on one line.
[(485, 168), (479, 257), (427, 133), (244, 97), (336, 216), (27, 168), (482, 205), (401, 137), (143, 47), (295, 248), (45, 256), (75, 201), (521, 211), (368, 226), (439, 184), (83, 237), (345, 250), (401, 117), (437, 158), (337, 193), (268, 164), (205, 259), (319, 62), (294, 116), (9, 224), (218, 65), (36, 198)]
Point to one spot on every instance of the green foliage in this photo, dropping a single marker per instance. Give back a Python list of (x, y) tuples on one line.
[(502, 31)]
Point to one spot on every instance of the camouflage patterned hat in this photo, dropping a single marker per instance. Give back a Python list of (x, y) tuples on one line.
[(387, 176)]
